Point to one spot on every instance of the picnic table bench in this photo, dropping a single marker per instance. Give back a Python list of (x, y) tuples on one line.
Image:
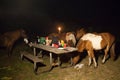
[(34, 59)]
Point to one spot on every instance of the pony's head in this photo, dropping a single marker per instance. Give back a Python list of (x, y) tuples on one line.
[(24, 35), (70, 38), (80, 33)]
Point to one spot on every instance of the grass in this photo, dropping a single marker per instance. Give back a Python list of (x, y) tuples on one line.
[(13, 68)]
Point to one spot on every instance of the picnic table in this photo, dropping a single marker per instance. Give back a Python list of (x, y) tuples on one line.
[(51, 50)]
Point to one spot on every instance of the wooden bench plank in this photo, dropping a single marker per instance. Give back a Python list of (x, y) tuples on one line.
[(31, 57)]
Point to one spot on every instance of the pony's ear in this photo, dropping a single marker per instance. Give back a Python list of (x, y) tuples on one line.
[(82, 29), (74, 32)]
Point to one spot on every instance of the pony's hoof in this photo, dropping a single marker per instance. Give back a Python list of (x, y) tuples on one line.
[(103, 62), (35, 72), (88, 65), (95, 67)]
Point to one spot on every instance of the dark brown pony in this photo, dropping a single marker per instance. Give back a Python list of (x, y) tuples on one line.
[(79, 33), (97, 41), (8, 39)]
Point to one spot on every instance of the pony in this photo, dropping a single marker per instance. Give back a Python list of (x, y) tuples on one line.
[(78, 34), (8, 39), (97, 41)]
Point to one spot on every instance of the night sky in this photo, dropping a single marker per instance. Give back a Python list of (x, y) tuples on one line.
[(43, 16)]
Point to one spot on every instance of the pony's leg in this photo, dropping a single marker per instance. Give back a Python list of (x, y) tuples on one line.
[(105, 55), (103, 61), (90, 61), (112, 52), (90, 58), (91, 53), (9, 49), (95, 61), (75, 60)]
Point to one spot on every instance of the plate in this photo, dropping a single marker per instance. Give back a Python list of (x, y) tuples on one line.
[(60, 48)]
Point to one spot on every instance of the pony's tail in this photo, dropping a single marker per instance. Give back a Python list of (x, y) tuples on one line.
[(112, 51)]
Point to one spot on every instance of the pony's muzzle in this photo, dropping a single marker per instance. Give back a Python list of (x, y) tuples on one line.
[(26, 40)]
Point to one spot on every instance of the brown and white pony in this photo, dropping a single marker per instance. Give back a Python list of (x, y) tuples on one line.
[(71, 39), (8, 39), (97, 41)]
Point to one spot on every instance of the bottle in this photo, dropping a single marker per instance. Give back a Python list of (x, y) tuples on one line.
[(38, 39), (62, 43)]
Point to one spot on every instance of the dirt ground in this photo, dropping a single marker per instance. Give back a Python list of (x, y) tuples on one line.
[(13, 68)]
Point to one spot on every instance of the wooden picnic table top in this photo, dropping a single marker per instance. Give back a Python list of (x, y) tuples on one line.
[(53, 49)]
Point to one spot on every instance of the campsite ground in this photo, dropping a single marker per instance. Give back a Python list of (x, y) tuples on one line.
[(13, 68)]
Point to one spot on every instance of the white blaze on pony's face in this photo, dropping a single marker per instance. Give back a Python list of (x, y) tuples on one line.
[(26, 40), (95, 40)]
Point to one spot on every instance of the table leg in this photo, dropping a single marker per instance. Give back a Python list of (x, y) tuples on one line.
[(51, 61), (71, 63), (35, 68), (34, 49), (58, 60), (40, 55), (51, 58)]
